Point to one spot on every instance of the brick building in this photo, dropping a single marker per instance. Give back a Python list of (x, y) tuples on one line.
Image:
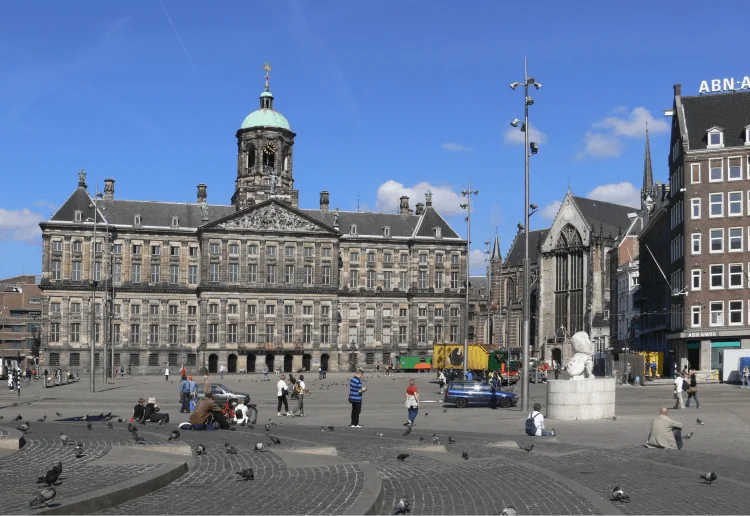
[(709, 226), (254, 283), (20, 317)]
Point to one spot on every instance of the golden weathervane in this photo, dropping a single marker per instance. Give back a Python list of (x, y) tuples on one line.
[(267, 68)]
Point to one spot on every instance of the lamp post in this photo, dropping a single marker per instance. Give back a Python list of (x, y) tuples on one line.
[(94, 284), (203, 345), (467, 206), (530, 148), (488, 259)]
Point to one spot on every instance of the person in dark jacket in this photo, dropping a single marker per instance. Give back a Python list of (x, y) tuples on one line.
[(152, 413), (139, 411), (355, 397), (185, 394), (692, 392)]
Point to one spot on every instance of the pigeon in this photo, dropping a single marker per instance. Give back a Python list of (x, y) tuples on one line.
[(509, 511), (23, 428), (200, 450), (108, 416), (699, 421), (322, 429), (79, 451), (1, 417), (65, 439), (451, 440), (120, 420), (231, 450), (17, 418), (465, 455), (42, 419), (407, 431), (58, 414), (247, 474), (89, 425), (402, 456), (174, 435), (131, 428), (435, 439), (251, 427), (58, 467), (379, 434), (85, 418), (45, 497), (688, 436), (445, 410), (426, 414), (402, 507), (618, 495), (708, 478), (268, 427), (138, 438), (330, 428), (49, 478), (614, 418), (259, 446), (109, 425), (274, 440), (526, 447), (422, 439)]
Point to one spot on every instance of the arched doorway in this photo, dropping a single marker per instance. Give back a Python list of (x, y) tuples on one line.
[(269, 362), (288, 361), (324, 359), (251, 363), (232, 363), (306, 362), (213, 363), (557, 356)]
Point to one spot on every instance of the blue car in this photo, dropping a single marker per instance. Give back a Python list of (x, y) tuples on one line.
[(477, 393)]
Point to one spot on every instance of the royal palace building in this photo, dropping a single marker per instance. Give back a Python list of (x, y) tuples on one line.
[(256, 283)]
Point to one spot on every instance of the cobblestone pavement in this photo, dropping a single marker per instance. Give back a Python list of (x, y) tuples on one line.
[(571, 474)]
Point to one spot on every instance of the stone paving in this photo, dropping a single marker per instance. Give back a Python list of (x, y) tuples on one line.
[(571, 474)]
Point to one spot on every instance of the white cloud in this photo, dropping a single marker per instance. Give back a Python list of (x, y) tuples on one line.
[(477, 265), (598, 145), (455, 147), (549, 212), (619, 193), (21, 225), (604, 140), (444, 198), (635, 125), (513, 136)]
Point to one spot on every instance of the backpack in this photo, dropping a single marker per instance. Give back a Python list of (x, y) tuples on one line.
[(531, 425), (685, 385)]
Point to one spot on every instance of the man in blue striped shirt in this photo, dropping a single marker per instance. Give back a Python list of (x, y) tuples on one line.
[(355, 397)]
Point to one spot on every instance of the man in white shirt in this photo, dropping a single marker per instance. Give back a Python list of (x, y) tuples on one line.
[(240, 414), (300, 386), (166, 374), (281, 393), (679, 403), (535, 423)]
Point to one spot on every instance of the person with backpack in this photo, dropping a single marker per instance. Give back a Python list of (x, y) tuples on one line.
[(299, 391), (535, 423), (692, 391)]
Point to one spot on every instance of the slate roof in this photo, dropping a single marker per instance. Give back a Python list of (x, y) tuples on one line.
[(478, 285), (730, 111), (516, 252), (609, 217), (159, 214)]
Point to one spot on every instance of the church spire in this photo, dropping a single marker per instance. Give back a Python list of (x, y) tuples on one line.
[(648, 175), (496, 255), (266, 98)]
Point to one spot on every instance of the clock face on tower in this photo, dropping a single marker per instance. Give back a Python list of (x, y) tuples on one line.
[(270, 148)]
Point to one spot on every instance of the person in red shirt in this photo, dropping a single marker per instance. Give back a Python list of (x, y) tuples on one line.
[(412, 403)]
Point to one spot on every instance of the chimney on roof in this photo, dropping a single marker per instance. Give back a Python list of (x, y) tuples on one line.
[(109, 188), (405, 205), (677, 90), (324, 200), (420, 208), (201, 193)]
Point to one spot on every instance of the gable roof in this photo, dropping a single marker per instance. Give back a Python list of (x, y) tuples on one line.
[(78, 201), (431, 220), (517, 248), (287, 217), (730, 111), (611, 218)]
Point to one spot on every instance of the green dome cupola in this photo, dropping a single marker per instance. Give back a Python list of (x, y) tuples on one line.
[(266, 116)]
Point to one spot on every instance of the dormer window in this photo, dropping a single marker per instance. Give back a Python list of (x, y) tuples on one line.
[(747, 135), (437, 232), (353, 229), (386, 231), (137, 221), (175, 221), (78, 216), (715, 137)]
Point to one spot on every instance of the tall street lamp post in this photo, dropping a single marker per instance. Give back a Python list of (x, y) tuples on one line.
[(94, 284), (530, 148), (488, 259), (467, 206)]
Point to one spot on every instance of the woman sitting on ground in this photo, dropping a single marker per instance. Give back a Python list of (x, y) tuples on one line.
[(139, 411), (151, 413)]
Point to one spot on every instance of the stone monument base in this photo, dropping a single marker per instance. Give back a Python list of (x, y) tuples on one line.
[(587, 398)]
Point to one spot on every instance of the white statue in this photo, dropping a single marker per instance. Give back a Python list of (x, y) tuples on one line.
[(582, 363)]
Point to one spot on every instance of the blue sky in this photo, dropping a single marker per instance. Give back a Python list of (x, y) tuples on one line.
[(385, 97)]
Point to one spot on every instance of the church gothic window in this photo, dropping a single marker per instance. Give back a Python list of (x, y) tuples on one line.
[(569, 280)]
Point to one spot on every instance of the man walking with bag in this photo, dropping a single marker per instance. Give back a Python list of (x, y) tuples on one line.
[(356, 389)]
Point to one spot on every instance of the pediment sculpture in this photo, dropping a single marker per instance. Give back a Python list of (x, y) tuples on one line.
[(271, 218)]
